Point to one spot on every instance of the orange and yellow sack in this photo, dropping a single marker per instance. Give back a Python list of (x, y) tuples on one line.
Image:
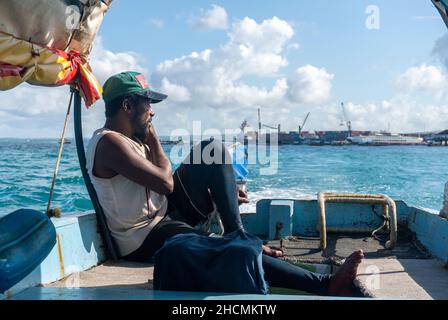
[(22, 61)]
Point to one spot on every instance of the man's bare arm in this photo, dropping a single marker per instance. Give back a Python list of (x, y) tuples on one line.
[(114, 153), (158, 156)]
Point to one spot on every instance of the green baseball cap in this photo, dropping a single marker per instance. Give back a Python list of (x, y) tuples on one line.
[(130, 82)]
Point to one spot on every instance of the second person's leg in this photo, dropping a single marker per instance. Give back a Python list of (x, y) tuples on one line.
[(207, 176), (279, 273)]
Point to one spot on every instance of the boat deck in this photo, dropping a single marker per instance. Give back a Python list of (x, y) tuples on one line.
[(397, 279), (407, 272)]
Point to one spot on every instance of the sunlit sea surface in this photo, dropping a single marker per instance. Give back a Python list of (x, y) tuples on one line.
[(415, 174)]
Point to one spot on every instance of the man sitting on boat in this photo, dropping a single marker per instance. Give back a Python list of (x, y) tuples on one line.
[(145, 203)]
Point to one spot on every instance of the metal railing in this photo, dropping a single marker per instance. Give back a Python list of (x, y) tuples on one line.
[(387, 203)]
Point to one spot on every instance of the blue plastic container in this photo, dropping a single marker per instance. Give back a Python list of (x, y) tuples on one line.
[(239, 162), (26, 239)]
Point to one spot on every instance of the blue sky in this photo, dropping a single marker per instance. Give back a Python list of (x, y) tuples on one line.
[(330, 33), (321, 54)]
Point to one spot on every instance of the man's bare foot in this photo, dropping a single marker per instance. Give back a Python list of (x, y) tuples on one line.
[(341, 284), (272, 252)]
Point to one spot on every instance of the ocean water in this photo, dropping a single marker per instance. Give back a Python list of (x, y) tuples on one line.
[(415, 174)]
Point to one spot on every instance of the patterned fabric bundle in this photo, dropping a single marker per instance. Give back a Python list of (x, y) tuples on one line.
[(53, 54)]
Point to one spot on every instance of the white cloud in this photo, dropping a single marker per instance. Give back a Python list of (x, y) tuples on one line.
[(311, 85), (214, 85), (294, 46), (155, 22), (212, 19), (106, 63), (177, 93), (420, 100), (269, 36), (402, 113), (426, 78), (33, 112), (222, 90), (419, 103)]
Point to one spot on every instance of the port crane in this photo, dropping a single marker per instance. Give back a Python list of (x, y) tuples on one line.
[(260, 125), (303, 124), (346, 121)]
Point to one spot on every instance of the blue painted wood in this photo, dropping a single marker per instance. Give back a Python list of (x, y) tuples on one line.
[(39, 293), (338, 215), (280, 216), (305, 216), (431, 231)]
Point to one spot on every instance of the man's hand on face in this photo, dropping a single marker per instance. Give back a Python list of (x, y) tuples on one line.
[(151, 136), (243, 197)]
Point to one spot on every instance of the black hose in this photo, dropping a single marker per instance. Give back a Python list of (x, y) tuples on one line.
[(111, 248)]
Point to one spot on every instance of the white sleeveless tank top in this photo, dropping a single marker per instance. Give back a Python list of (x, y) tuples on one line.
[(131, 210)]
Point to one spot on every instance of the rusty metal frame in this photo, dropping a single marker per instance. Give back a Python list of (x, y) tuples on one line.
[(387, 203)]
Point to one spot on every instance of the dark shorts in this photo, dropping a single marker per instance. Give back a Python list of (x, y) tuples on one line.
[(161, 232)]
